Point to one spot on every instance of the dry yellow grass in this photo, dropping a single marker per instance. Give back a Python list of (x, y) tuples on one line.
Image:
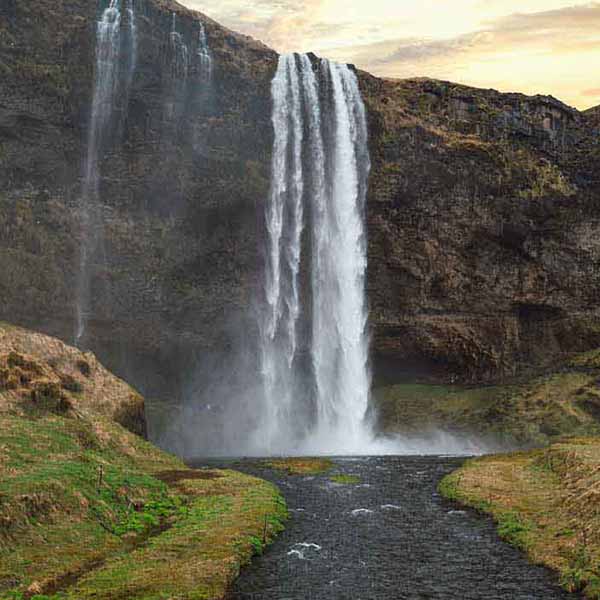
[(546, 501), (33, 363)]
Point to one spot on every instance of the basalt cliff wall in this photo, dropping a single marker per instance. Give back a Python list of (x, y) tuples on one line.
[(484, 223), (483, 210)]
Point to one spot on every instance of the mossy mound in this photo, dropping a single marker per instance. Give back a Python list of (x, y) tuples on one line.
[(545, 502), (566, 402), (41, 373), (300, 466)]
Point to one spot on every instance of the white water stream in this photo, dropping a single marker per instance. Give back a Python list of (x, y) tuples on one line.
[(316, 225), (109, 47)]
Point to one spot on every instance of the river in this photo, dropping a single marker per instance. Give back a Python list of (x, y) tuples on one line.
[(387, 536)]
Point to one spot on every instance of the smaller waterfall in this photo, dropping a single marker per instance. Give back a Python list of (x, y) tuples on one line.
[(107, 88), (176, 84), (180, 57), (204, 55), (108, 45)]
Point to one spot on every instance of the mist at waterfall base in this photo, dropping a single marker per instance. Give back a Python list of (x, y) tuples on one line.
[(299, 381)]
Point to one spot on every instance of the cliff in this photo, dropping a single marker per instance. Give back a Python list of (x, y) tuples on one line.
[(483, 209), (483, 226), (178, 195)]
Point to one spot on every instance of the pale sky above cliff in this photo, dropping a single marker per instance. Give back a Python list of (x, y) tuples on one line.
[(530, 46)]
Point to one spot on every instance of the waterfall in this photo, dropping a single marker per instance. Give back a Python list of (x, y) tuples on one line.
[(339, 342), (106, 90), (108, 46), (204, 55), (284, 220), (315, 223), (176, 88), (180, 57)]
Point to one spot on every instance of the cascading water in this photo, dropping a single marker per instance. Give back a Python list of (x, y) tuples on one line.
[(339, 340), (177, 83), (106, 88), (320, 167), (204, 55), (180, 57), (284, 219)]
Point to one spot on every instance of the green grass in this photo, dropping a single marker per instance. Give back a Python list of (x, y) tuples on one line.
[(345, 479), (300, 466), (199, 554), (84, 503), (532, 413)]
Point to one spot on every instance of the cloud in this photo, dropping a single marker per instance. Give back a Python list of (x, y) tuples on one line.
[(569, 29), (284, 24), (578, 17), (410, 50), (545, 46)]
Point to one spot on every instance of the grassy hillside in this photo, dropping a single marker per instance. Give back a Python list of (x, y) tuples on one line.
[(90, 510), (546, 502), (532, 413)]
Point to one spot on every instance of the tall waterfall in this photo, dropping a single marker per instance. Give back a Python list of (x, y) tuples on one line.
[(316, 239), (106, 89), (284, 219), (339, 338)]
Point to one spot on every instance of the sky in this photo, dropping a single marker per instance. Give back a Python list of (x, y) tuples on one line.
[(529, 46)]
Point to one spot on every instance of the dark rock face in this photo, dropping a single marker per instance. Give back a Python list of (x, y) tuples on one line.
[(483, 210), (179, 189), (484, 225)]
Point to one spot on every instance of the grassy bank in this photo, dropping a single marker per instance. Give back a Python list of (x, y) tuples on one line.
[(546, 502), (90, 510), (531, 413)]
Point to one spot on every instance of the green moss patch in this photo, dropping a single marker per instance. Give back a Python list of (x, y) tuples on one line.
[(89, 510), (345, 479), (214, 534), (532, 413), (300, 466)]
